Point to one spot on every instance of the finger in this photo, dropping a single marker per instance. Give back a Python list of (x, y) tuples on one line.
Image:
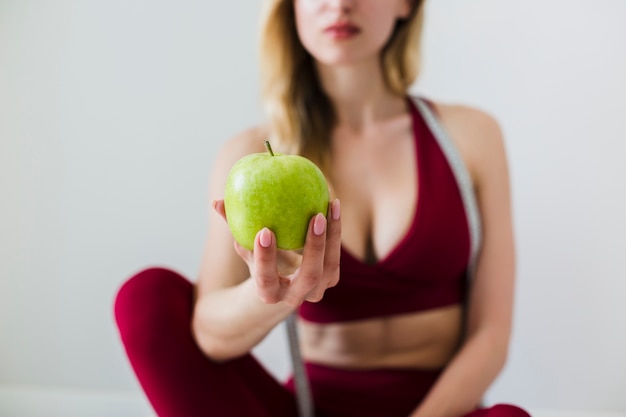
[(218, 206), (312, 265), (244, 253), (332, 254), (265, 271)]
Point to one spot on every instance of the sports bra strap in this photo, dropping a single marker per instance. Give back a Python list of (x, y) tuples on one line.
[(462, 176), (464, 181)]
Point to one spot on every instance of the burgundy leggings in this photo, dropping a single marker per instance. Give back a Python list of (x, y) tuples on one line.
[(153, 312)]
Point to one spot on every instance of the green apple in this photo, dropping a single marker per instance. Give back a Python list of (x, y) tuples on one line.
[(278, 191)]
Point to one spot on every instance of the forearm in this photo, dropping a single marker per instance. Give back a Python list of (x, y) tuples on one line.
[(229, 322), (467, 377)]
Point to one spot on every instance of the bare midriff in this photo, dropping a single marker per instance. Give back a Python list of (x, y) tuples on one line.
[(422, 340)]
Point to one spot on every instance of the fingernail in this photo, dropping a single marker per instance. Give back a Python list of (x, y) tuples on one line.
[(335, 210), (266, 238), (319, 224)]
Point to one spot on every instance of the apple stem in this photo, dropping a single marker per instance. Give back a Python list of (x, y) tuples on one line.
[(268, 147)]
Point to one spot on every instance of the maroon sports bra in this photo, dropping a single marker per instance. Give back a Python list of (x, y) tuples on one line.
[(426, 269)]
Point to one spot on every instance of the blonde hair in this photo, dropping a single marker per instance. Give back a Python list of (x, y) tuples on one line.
[(301, 116)]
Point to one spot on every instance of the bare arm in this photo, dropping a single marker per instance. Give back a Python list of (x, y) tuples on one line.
[(242, 295), (466, 378)]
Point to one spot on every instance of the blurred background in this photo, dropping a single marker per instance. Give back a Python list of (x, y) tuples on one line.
[(111, 114)]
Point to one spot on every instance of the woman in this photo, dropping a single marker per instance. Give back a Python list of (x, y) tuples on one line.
[(388, 323)]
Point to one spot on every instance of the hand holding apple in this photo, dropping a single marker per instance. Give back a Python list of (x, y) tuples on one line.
[(303, 277)]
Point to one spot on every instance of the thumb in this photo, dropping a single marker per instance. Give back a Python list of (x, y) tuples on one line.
[(218, 206)]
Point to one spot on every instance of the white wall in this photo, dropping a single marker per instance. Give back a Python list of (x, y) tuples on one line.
[(554, 73), (111, 113)]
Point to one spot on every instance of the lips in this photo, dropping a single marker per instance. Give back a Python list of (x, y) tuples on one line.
[(342, 30)]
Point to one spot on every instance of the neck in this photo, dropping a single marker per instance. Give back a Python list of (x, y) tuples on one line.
[(359, 94)]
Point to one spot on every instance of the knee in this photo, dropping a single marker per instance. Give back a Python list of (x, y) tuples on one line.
[(506, 410), (149, 301)]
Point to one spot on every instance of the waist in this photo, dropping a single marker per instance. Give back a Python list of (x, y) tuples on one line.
[(422, 340), (367, 393)]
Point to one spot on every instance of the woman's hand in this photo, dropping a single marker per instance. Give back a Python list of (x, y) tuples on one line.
[(291, 277)]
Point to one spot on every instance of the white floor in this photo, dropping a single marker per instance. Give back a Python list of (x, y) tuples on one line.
[(62, 402), (16, 401)]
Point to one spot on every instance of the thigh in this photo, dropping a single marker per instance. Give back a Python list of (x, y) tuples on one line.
[(153, 310)]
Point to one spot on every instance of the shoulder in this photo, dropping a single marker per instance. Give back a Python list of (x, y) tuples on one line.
[(469, 124), (248, 141), (477, 135)]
